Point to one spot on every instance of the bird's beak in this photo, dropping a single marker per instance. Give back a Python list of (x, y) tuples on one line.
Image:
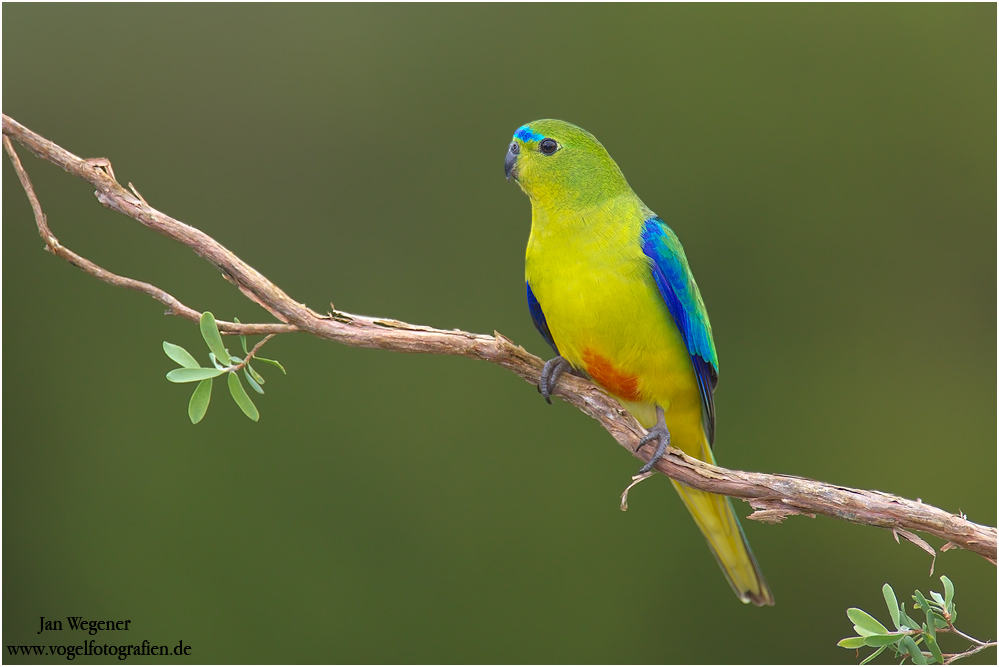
[(510, 163)]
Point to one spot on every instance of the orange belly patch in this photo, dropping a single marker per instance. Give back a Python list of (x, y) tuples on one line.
[(614, 381)]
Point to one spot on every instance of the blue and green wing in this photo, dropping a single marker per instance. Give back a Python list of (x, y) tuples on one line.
[(678, 289)]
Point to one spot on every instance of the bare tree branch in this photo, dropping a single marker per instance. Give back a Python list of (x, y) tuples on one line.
[(773, 496), (174, 306)]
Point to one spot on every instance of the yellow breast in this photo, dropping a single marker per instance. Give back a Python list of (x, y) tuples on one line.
[(605, 312)]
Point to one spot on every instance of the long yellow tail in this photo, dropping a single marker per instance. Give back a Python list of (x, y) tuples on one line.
[(716, 519)]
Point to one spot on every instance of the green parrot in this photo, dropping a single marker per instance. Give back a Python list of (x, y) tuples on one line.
[(610, 289)]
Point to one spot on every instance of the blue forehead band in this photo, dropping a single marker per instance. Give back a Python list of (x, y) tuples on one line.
[(525, 133)]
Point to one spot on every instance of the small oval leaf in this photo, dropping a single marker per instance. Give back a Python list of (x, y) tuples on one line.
[(256, 376), (948, 591), (892, 603), (882, 640), (930, 626), (192, 374), (864, 623), (851, 642), (253, 383), (210, 332), (914, 653), (272, 363), (180, 355), (242, 398), (198, 406), (931, 643)]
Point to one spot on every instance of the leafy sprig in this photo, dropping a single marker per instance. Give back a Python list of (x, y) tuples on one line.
[(941, 615), (191, 371)]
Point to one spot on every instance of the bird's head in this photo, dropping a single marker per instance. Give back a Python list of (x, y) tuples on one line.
[(559, 164)]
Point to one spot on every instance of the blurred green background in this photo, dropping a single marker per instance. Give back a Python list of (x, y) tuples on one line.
[(830, 170)]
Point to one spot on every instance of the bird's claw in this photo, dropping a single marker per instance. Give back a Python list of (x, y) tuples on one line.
[(658, 432), (549, 376)]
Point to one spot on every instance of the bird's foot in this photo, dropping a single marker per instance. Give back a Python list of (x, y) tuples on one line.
[(657, 432), (549, 376)]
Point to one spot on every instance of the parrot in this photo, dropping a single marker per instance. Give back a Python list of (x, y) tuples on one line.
[(610, 289)]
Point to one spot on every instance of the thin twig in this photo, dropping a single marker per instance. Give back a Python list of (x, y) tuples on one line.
[(776, 496), (252, 353), (52, 245), (950, 628), (950, 658)]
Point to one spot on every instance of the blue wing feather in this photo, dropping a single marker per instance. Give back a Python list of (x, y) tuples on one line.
[(538, 316), (683, 300)]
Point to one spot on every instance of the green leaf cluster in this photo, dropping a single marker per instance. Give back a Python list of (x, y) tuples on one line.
[(222, 363), (908, 635)]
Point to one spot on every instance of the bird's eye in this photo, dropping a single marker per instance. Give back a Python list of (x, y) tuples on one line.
[(548, 146)]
